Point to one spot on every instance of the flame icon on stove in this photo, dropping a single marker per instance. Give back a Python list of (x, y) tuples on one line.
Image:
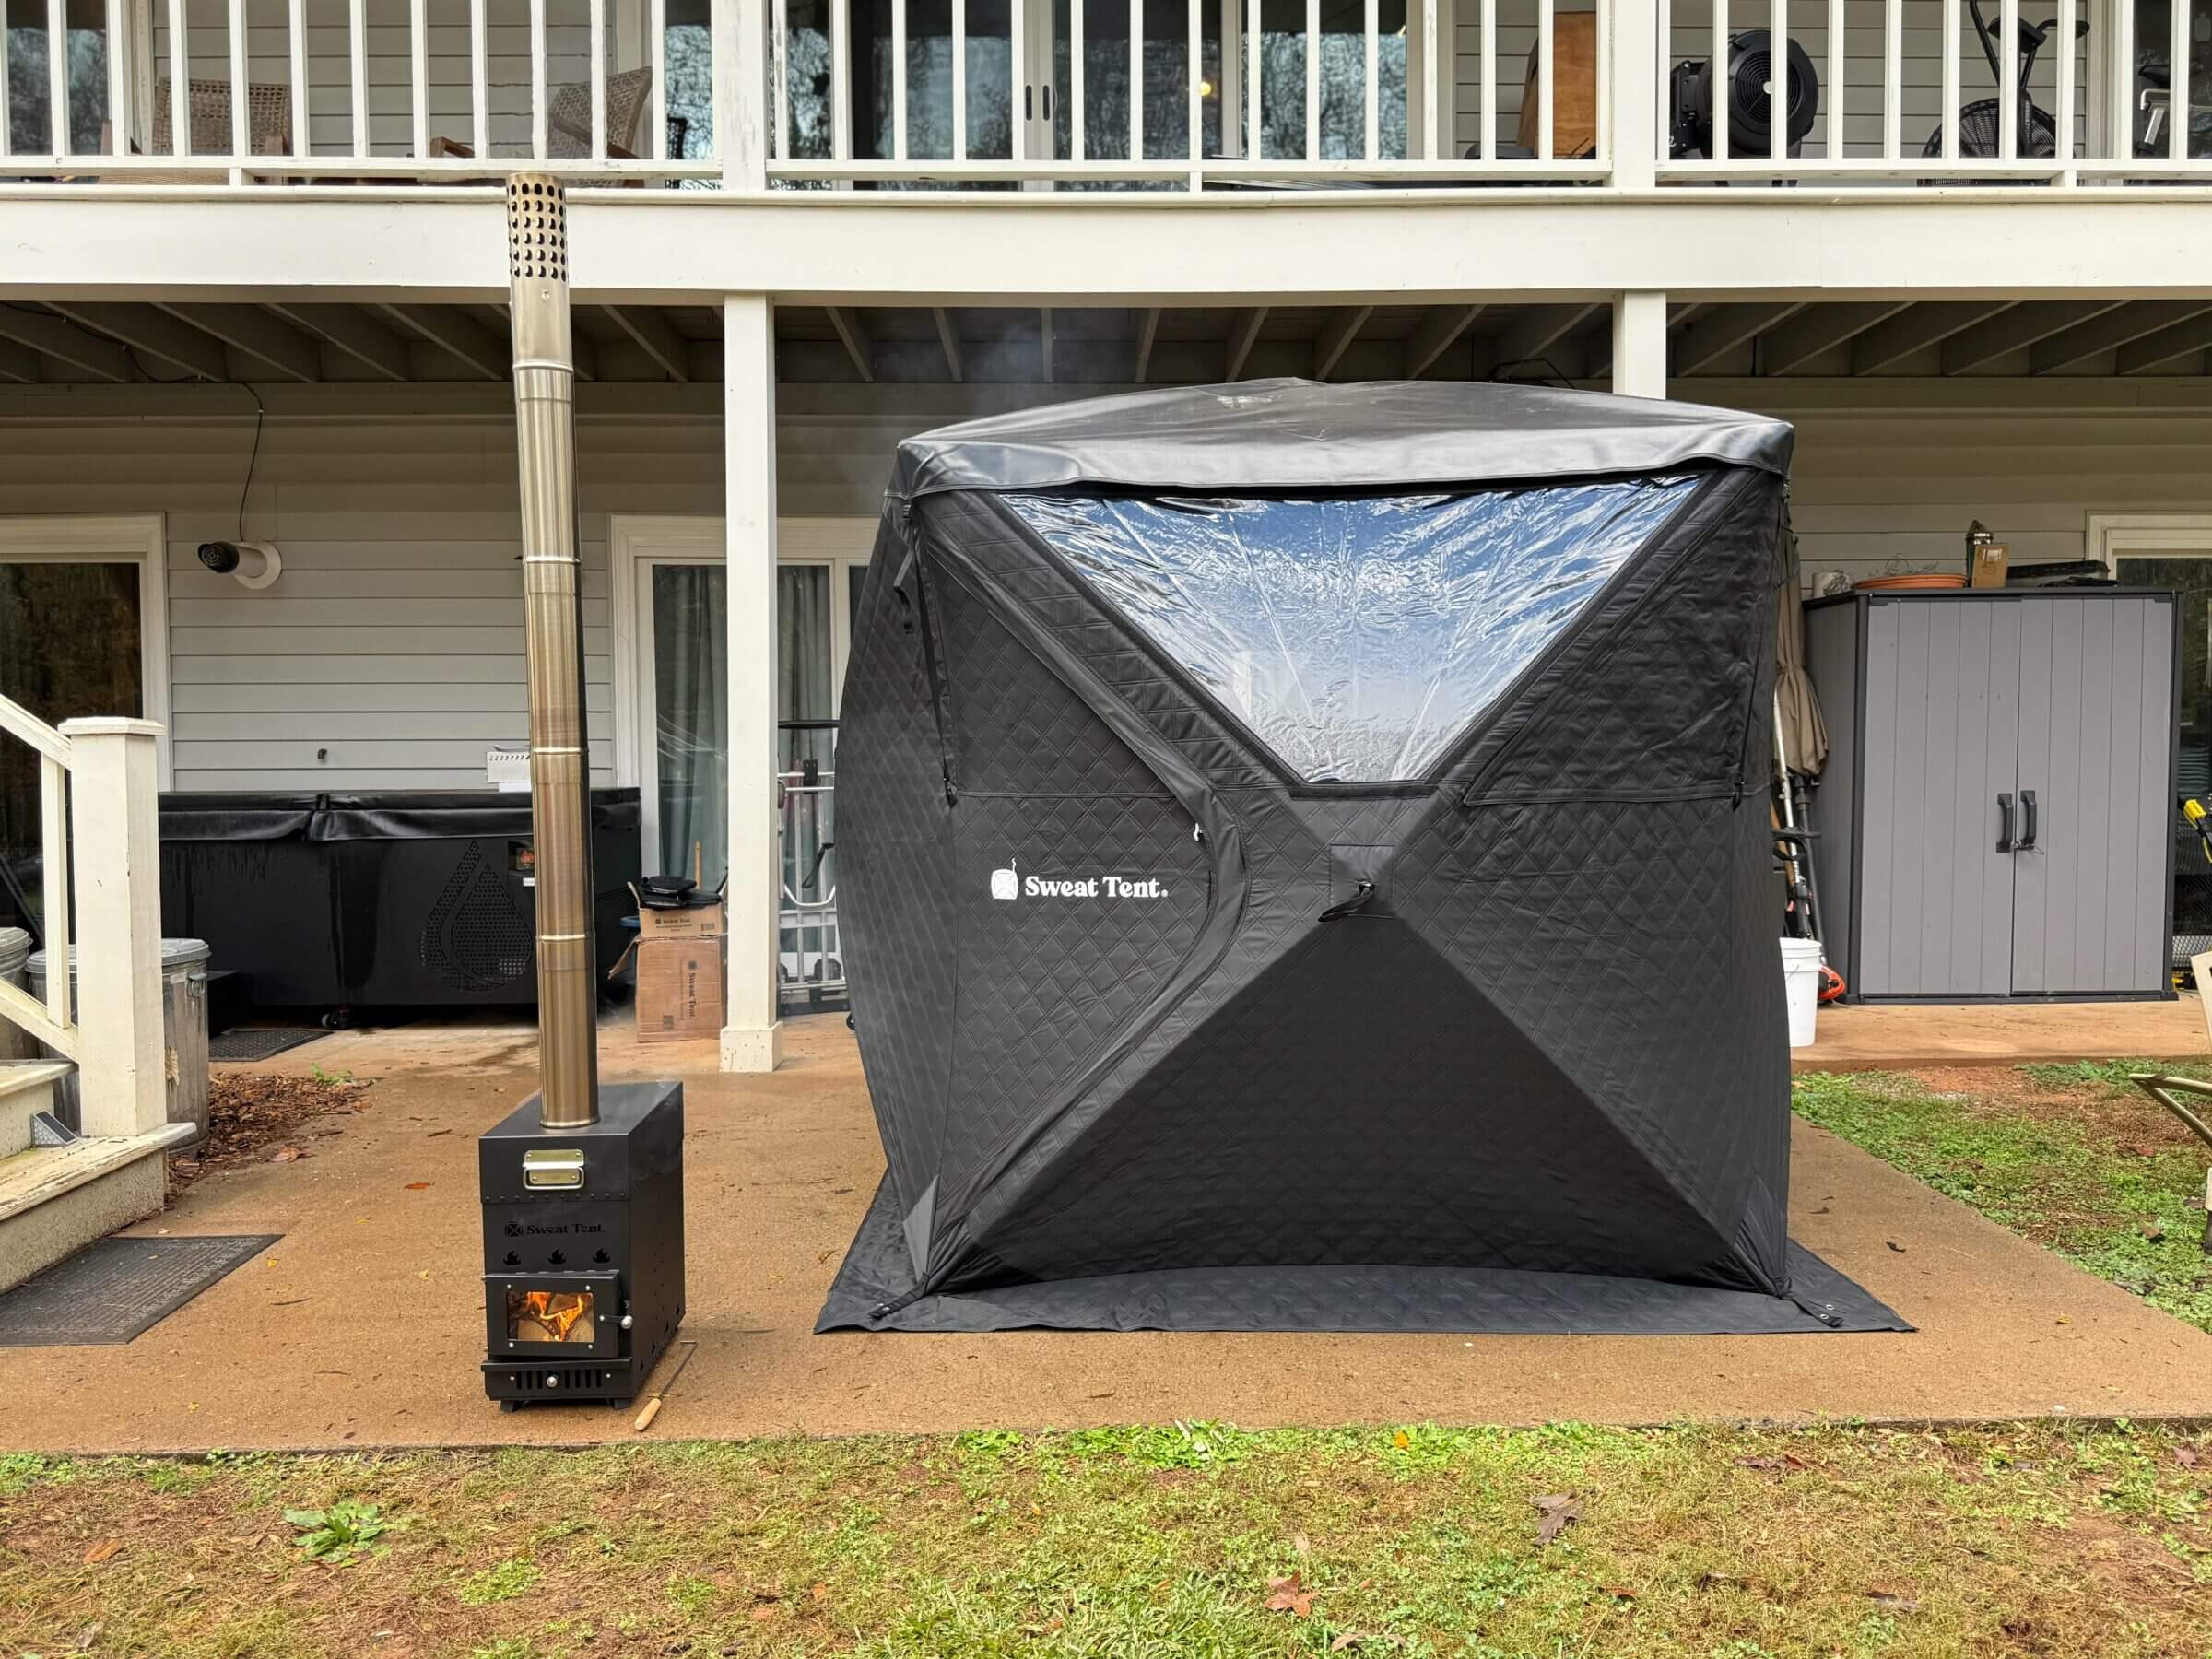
[(1007, 883)]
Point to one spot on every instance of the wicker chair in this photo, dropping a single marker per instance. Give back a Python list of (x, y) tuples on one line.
[(569, 120), (208, 108)]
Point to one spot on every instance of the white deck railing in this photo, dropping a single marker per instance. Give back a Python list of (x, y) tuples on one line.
[(100, 846), (1227, 104), (53, 1022), (1129, 94), (1907, 94)]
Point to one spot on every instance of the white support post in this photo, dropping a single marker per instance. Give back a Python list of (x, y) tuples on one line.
[(180, 83), (741, 47), (598, 18), (479, 78), (1253, 142), (1638, 339), (1632, 121), (1950, 82), (357, 57), (1313, 79), (418, 79), (1371, 103), (1721, 150), (6, 118), (114, 775), (1487, 93), (899, 79), (1137, 78), (655, 54), (57, 74), (751, 1037), (119, 82), (1193, 82), (295, 41), (541, 109)]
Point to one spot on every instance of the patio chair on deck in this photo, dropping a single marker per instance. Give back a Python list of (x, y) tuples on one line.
[(208, 109), (569, 120)]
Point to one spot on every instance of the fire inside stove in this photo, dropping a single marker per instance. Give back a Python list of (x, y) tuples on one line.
[(550, 1316)]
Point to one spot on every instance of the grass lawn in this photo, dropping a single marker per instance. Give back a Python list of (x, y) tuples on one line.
[(1199, 1539), (1196, 1540)]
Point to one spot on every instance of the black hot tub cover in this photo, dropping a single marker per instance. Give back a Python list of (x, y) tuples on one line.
[(1305, 868)]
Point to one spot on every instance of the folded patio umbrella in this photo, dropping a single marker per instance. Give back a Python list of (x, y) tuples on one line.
[(1306, 867), (1796, 706)]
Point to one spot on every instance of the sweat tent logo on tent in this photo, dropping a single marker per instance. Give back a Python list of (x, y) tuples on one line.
[(1010, 883)]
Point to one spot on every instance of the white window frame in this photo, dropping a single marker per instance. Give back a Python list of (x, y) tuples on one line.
[(2113, 536), (636, 542), (139, 538)]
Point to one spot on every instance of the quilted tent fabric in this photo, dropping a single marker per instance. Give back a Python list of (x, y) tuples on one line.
[(1169, 1024)]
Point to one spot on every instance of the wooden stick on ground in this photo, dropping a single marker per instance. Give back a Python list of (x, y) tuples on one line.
[(652, 1405)]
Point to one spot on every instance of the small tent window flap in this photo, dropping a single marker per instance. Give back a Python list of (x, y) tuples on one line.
[(1355, 635)]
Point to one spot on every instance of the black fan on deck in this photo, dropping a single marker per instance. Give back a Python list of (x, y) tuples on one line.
[(1750, 99)]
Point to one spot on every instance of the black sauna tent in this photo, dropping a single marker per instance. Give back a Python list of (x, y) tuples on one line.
[(1305, 868)]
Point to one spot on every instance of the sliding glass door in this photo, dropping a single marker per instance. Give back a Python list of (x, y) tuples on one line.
[(674, 711)]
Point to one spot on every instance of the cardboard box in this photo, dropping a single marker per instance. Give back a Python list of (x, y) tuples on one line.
[(1573, 88), (679, 989), (694, 922), (1990, 561), (699, 922)]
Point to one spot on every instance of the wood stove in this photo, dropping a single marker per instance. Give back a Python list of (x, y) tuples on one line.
[(584, 1247), (583, 1186)]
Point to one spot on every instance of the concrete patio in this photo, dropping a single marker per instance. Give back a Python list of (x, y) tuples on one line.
[(362, 1327)]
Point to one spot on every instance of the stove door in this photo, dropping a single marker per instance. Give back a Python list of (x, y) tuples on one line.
[(553, 1315)]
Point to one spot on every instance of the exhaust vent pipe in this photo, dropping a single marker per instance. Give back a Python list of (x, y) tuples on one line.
[(544, 417)]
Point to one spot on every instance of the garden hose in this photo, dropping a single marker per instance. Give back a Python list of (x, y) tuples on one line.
[(2200, 820)]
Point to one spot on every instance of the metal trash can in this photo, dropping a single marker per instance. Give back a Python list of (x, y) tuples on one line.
[(183, 1032), (16, 1043)]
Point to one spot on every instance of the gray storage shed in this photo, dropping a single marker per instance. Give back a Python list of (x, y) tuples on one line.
[(1997, 810)]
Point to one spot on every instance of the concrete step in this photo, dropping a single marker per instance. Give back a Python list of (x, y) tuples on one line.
[(25, 1090), (55, 1200)]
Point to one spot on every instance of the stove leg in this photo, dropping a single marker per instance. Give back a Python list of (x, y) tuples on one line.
[(511, 1404)]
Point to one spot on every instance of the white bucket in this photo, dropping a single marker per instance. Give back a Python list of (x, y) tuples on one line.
[(1800, 984)]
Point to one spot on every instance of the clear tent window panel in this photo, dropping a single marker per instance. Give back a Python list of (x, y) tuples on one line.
[(1355, 635)]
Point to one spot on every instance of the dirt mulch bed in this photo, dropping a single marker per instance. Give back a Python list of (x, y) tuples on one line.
[(264, 1117), (2115, 1112)]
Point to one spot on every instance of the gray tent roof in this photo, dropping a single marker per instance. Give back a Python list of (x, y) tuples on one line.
[(1294, 434)]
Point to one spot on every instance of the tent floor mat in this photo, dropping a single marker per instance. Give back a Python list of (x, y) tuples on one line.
[(1346, 1298)]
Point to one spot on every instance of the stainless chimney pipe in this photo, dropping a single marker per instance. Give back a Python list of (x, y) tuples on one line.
[(545, 419)]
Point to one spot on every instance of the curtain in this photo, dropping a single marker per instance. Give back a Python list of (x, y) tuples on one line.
[(691, 701)]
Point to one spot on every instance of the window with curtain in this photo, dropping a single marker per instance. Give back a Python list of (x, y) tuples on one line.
[(691, 700)]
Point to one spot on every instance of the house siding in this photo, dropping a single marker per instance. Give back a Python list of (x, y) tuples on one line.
[(391, 652)]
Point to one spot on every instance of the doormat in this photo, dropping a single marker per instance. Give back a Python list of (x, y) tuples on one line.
[(260, 1042), (113, 1289)]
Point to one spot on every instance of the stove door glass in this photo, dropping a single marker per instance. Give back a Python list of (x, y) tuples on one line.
[(566, 1316)]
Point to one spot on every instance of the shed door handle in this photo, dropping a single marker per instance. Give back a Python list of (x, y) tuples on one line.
[(2005, 831), (2027, 809)]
